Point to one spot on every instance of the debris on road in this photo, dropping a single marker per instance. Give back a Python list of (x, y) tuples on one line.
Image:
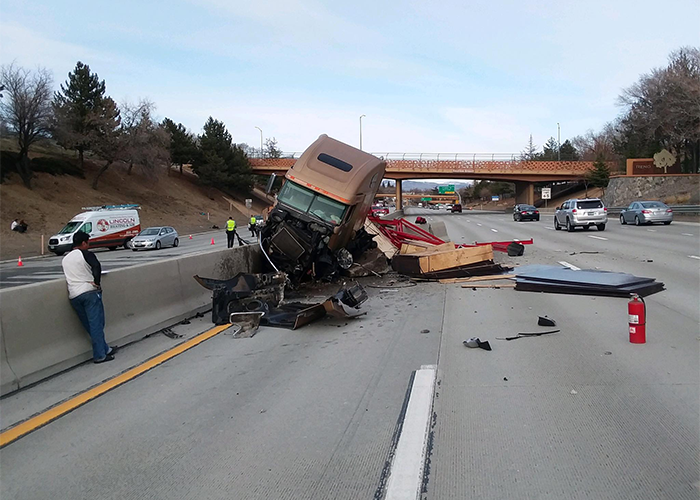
[(545, 321), (523, 335), (247, 322), (421, 220), (490, 285), (478, 278), (475, 342), (554, 279), (263, 294)]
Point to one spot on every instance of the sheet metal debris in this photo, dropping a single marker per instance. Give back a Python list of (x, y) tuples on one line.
[(554, 279), (525, 335)]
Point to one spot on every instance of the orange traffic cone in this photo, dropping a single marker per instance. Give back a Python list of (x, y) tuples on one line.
[(19, 262), (190, 236), (212, 241)]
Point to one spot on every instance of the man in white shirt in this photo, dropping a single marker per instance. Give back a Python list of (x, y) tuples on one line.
[(82, 271)]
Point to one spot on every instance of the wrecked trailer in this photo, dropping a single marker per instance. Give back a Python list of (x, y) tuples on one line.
[(316, 227)]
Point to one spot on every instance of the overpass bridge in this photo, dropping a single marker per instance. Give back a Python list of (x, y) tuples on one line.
[(475, 166)]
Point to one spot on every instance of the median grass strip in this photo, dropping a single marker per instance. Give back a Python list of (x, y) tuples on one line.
[(23, 428)]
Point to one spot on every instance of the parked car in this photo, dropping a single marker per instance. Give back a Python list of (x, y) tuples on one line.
[(646, 212), (155, 238), (457, 208), (525, 212), (581, 213)]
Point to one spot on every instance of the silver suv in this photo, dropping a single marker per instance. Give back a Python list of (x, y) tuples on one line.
[(583, 213)]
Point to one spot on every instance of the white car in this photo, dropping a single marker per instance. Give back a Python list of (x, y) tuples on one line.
[(154, 238)]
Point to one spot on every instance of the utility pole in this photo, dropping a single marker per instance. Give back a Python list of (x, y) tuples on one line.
[(361, 116), (261, 142), (558, 142)]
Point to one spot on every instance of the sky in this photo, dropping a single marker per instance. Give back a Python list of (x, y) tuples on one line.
[(450, 76)]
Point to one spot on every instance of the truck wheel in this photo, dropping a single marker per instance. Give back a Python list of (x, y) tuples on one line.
[(569, 227), (601, 227), (127, 243), (59, 253)]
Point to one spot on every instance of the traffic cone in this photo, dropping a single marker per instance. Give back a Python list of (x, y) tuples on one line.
[(212, 241), (190, 236), (19, 262)]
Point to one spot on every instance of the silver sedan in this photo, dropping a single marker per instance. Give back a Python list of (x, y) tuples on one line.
[(646, 212), (154, 238)]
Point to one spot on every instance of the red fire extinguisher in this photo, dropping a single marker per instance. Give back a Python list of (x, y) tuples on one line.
[(637, 311)]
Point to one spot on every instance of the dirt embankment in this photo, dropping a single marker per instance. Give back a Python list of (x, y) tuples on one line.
[(169, 199)]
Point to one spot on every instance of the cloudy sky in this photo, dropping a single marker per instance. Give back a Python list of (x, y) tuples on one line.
[(448, 76)]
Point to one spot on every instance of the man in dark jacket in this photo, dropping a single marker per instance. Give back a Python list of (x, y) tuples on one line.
[(82, 271)]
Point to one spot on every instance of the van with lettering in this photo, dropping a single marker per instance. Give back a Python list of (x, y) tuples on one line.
[(109, 226)]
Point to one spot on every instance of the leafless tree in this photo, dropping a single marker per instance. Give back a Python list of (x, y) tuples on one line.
[(146, 141), (25, 108)]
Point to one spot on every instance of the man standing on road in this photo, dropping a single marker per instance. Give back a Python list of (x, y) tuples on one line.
[(230, 231), (83, 270), (252, 225)]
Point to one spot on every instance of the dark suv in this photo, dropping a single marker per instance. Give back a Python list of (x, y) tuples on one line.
[(525, 212), (456, 208)]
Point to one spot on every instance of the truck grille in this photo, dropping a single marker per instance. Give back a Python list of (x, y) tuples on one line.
[(53, 241)]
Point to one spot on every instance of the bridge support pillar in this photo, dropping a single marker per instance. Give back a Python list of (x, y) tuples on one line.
[(399, 195), (525, 193)]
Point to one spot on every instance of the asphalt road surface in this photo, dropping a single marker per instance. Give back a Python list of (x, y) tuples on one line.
[(38, 269), (313, 413)]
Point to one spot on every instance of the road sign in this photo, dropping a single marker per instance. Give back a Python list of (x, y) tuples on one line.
[(449, 189), (426, 198), (546, 193), (248, 203), (495, 198)]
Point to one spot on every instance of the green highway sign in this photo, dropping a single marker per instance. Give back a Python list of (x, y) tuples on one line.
[(449, 189), (426, 198)]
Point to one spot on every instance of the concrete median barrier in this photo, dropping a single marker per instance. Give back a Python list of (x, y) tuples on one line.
[(41, 334)]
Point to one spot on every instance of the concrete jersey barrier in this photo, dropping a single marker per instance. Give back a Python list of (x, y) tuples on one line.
[(40, 334)]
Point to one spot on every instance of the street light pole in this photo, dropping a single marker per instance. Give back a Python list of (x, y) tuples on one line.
[(558, 142), (261, 141), (361, 116)]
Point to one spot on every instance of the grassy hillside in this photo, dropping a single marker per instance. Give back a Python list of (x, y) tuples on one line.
[(167, 199)]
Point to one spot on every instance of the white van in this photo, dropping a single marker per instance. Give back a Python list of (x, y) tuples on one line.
[(109, 226)]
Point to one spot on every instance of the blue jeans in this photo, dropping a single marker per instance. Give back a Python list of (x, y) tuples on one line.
[(92, 315)]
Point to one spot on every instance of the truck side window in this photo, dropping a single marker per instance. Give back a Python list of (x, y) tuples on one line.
[(87, 228)]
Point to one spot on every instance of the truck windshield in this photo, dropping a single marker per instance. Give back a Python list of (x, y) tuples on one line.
[(70, 227), (307, 201)]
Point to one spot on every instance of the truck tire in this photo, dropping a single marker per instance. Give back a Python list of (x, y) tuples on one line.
[(569, 227), (601, 227)]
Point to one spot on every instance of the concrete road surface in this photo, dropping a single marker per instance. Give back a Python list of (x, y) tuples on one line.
[(314, 413), (37, 269)]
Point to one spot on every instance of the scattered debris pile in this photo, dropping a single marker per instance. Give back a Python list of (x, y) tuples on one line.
[(253, 299), (555, 279)]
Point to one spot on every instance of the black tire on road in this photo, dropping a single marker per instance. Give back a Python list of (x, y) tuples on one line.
[(59, 253), (586, 228), (127, 243), (113, 248), (556, 224), (622, 220), (158, 245), (667, 223), (601, 227), (569, 227), (176, 242), (636, 221), (133, 250)]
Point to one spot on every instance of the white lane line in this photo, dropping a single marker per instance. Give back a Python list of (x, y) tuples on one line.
[(25, 277), (570, 266), (686, 234), (694, 257), (468, 220), (597, 237), (550, 228), (494, 230), (406, 475), (651, 230), (478, 224)]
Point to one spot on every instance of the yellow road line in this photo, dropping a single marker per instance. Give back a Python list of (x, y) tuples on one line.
[(61, 409)]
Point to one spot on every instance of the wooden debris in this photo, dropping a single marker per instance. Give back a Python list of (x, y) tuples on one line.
[(478, 278), (489, 285)]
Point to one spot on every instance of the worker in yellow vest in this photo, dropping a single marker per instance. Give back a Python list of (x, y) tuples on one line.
[(230, 231), (252, 228)]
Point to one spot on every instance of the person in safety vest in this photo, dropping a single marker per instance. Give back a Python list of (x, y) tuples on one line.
[(230, 232), (252, 227)]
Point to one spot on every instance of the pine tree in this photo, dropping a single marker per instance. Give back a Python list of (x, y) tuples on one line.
[(271, 149), (107, 136), (568, 151), (599, 175), (530, 151), (550, 150), (223, 164), (75, 108), (183, 145)]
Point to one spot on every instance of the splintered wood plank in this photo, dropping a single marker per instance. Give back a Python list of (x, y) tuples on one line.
[(478, 278), (454, 258)]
